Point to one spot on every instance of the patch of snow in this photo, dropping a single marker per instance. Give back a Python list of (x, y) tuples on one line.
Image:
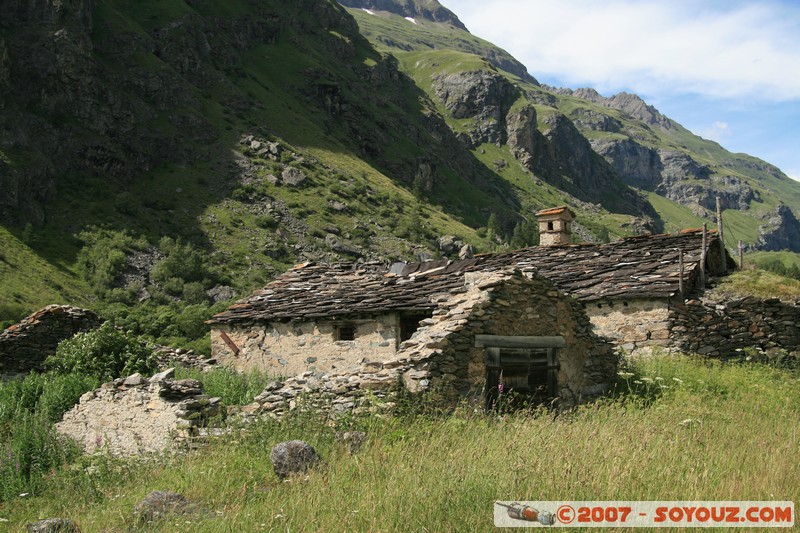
[(367, 10), (411, 20)]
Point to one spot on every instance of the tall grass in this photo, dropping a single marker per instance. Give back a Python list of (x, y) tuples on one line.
[(677, 429), (233, 387), (29, 446)]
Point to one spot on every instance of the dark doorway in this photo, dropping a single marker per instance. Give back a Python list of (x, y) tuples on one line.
[(529, 375)]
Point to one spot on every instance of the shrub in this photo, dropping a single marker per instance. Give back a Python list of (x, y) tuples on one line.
[(103, 257), (105, 353), (182, 263)]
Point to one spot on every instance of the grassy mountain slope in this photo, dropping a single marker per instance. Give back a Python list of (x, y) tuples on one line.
[(260, 135), (643, 146)]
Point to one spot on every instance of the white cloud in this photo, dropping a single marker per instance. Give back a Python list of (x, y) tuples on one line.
[(722, 49), (718, 131)]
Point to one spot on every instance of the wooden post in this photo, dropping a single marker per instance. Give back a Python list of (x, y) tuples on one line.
[(703, 253), (721, 237), (741, 255)]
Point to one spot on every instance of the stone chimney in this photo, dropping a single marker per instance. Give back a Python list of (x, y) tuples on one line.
[(555, 226)]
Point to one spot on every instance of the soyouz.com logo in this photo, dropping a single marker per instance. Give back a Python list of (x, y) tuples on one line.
[(727, 514)]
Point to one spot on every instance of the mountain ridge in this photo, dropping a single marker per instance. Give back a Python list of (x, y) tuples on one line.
[(264, 134), (653, 153)]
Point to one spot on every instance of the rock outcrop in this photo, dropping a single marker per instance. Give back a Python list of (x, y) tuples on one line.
[(483, 96), (780, 232)]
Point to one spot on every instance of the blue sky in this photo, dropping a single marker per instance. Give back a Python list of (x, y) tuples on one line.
[(729, 70)]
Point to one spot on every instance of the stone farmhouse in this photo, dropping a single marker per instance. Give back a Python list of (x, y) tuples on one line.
[(532, 319)]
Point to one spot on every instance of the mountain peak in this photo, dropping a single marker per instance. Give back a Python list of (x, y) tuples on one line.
[(631, 104), (427, 9)]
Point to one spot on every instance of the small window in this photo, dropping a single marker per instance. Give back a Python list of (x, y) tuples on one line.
[(345, 333), (550, 226), (409, 324)]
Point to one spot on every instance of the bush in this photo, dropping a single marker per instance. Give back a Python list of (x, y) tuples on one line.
[(103, 257), (105, 353), (182, 264)]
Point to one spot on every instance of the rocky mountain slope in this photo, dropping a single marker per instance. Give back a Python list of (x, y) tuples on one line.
[(271, 132), (680, 173)]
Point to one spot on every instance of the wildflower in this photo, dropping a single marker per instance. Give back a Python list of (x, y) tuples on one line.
[(625, 375), (659, 378), (648, 380), (23, 494), (500, 388), (678, 380), (637, 381)]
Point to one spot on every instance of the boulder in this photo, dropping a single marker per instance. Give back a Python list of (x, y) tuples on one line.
[(53, 525), (162, 504), (293, 457)]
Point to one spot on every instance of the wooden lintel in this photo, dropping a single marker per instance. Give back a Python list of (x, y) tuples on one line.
[(508, 341)]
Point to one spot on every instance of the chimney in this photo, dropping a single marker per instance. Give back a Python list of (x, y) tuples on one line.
[(555, 226)]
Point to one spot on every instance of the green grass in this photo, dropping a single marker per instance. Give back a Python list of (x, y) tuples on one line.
[(703, 431), (676, 216), (758, 284), (29, 281), (788, 259)]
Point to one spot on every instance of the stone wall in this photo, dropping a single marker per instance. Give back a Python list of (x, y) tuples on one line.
[(442, 356), (137, 415), (632, 325), (291, 348), (725, 328), (25, 346)]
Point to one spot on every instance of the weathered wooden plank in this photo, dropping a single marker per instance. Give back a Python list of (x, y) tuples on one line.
[(508, 341)]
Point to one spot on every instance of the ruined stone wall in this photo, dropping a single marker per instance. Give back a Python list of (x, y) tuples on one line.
[(723, 329), (632, 324), (291, 348), (137, 415), (25, 346), (513, 305), (442, 356)]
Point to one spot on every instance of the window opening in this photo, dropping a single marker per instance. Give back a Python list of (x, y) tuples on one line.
[(346, 333), (410, 324)]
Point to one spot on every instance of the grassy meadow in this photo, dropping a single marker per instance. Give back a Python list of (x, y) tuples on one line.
[(676, 429)]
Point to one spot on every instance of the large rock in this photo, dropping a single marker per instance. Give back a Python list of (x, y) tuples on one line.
[(161, 504), (293, 457), (53, 525)]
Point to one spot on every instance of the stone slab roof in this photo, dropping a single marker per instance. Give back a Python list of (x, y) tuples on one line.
[(637, 267)]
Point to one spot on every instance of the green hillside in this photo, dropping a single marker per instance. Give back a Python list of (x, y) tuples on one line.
[(429, 49), (250, 137)]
